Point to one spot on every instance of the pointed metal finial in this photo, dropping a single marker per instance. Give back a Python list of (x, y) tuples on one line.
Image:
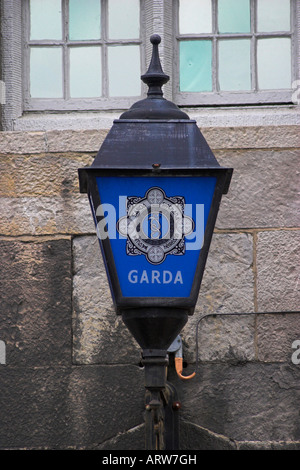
[(155, 78), (155, 106)]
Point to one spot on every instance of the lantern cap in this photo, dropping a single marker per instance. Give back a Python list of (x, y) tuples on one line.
[(154, 106)]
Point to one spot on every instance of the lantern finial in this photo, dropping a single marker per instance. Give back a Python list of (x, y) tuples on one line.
[(155, 78)]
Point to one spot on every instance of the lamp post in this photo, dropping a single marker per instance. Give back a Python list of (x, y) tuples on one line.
[(155, 188)]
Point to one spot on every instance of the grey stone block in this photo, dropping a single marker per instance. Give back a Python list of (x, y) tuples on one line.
[(244, 402), (100, 336), (35, 320), (46, 215), (61, 407), (193, 437), (227, 287), (133, 439), (41, 175), (278, 271), (263, 191), (275, 336)]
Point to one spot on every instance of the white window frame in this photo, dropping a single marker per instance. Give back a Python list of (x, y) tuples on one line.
[(72, 104), (253, 96)]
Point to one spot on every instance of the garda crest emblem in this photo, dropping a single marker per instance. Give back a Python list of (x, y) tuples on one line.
[(155, 225)]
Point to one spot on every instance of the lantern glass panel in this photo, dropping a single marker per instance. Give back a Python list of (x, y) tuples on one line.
[(156, 230)]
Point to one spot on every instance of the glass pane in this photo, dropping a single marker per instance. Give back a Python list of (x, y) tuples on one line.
[(45, 19), (46, 72), (124, 71), (274, 69), (234, 16), (124, 19), (195, 66), (85, 72), (273, 15), (195, 16), (84, 19), (234, 65)]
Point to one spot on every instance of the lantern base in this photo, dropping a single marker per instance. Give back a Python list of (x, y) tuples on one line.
[(155, 328)]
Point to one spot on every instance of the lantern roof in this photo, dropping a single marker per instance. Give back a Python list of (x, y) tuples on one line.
[(154, 135)]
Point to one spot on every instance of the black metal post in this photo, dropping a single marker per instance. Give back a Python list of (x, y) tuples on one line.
[(161, 403)]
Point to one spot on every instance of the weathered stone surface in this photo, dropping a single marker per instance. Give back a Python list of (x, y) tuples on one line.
[(51, 141), (89, 140), (227, 287), (133, 439), (22, 142), (35, 303), (193, 437), (244, 402), (249, 137), (100, 336), (65, 407), (278, 271), (41, 175), (268, 445), (75, 141), (275, 336), (46, 215), (263, 191)]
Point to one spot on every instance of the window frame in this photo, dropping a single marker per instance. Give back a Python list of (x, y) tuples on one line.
[(66, 103), (159, 18), (233, 98)]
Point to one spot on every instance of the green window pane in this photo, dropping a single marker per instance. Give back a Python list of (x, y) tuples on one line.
[(195, 66), (45, 19), (274, 68), (195, 16), (273, 15), (46, 72), (85, 72), (234, 16), (84, 19), (234, 65), (122, 58), (124, 19)]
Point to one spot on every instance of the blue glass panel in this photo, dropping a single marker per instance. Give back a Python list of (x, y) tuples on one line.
[(195, 66), (234, 16), (84, 19), (156, 227)]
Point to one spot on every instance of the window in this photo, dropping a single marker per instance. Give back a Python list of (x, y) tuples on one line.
[(77, 53), (234, 51)]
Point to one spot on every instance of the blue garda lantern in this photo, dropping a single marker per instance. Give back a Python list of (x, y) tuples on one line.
[(155, 188)]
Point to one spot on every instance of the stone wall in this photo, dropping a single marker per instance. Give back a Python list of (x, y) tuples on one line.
[(72, 376)]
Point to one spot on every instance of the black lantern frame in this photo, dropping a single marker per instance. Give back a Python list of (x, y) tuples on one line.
[(154, 138)]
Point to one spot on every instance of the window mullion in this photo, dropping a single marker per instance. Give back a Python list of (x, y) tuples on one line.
[(104, 52), (66, 55), (253, 16), (215, 58)]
